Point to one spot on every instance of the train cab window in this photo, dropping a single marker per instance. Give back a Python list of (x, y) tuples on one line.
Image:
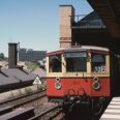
[(76, 62), (55, 63), (98, 62)]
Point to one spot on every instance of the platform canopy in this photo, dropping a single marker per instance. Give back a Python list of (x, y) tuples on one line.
[(109, 11)]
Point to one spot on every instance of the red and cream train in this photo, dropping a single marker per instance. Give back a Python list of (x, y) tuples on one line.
[(81, 73)]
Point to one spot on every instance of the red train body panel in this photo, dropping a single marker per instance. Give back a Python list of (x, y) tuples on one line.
[(77, 86)]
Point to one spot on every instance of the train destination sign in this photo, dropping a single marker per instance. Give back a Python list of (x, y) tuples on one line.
[(80, 54)]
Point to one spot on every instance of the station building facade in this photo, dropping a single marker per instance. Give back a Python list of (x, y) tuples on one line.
[(89, 29)]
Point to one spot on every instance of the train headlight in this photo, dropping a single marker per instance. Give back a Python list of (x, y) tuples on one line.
[(58, 84), (96, 83)]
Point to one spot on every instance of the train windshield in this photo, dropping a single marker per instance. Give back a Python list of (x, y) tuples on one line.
[(55, 63), (98, 62), (76, 62)]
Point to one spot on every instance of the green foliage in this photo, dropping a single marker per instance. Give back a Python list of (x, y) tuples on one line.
[(2, 57), (31, 65)]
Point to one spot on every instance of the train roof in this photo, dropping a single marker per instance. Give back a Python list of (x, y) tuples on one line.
[(80, 48)]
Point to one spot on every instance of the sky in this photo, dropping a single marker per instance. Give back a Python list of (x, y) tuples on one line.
[(34, 23)]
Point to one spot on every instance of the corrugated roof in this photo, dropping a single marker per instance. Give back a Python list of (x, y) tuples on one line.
[(19, 75), (40, 72), (4, 80), (14, 76)]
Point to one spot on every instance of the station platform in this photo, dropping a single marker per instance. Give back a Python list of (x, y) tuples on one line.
[(112, 112)]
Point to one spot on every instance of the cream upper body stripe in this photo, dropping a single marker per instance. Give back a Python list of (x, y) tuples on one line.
[(76, 75)]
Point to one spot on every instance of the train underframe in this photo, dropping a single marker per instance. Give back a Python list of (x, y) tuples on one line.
[(95, 104)]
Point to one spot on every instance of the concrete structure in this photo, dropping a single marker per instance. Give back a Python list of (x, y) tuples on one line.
[(12, 59), (112, 111)]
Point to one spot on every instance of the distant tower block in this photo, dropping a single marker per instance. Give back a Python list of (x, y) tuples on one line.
[(66, 11)]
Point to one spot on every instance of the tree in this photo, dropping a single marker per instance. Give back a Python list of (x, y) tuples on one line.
[(2, 57)]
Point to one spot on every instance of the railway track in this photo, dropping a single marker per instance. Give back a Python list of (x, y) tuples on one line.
[(51, 113), (23, 99)]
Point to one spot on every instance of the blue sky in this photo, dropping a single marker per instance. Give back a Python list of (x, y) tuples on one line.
[(34, 23)]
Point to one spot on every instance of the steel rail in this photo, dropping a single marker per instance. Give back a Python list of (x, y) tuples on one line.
[(56, 115), (28, 101), (19, 101), (19, 97), (45, 112)]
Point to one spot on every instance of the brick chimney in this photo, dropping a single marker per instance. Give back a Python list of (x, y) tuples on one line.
[(12, 52), (66, 19)]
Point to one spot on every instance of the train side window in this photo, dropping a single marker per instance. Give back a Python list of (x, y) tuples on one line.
[(98, 62), (55, 63)]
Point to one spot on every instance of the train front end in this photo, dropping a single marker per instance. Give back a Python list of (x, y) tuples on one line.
[(77, 73)]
